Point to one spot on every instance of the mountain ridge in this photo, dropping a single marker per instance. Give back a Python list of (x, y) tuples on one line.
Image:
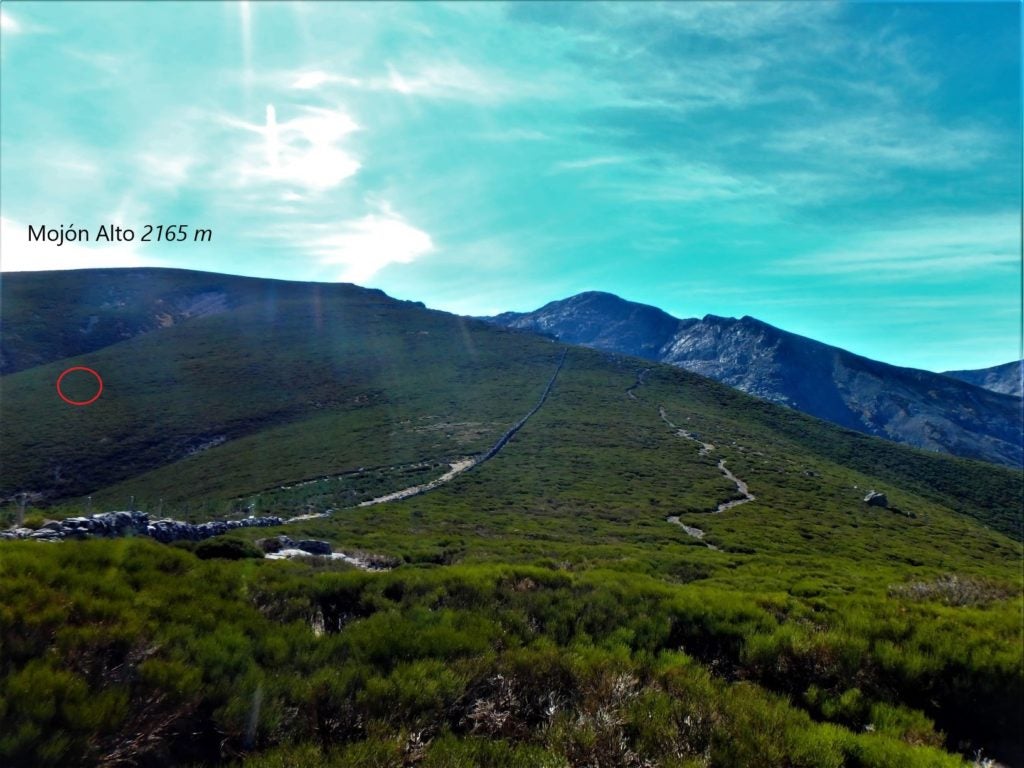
[(915, 407), (1006, 379)]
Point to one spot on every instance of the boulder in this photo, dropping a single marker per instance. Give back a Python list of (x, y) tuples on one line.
[(47, 535), (314, 546), (876, 499)]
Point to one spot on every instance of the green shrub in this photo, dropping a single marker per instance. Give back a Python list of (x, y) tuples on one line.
[(226, 548)]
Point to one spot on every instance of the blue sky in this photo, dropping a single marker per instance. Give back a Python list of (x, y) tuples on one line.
[(849, 172)]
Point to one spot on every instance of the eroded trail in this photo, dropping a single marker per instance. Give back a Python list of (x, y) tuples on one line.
[(705, 449), (639, 381), (466, 464)]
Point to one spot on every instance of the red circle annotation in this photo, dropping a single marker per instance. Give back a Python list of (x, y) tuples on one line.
[(91, 400)]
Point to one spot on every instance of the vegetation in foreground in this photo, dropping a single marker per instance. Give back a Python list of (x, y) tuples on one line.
[(130, 652)]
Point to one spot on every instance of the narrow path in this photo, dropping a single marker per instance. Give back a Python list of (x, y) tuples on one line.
[(690, 530), (639, 381), (464, 465), (705, 449)]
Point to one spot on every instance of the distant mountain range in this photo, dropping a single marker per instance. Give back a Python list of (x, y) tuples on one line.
[(948, 413), (1006, 379)]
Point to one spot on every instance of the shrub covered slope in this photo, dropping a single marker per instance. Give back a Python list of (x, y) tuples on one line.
[(544, 612)]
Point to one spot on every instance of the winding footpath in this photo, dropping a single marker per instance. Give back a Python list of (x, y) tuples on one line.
[(705, 449), (638, 383)]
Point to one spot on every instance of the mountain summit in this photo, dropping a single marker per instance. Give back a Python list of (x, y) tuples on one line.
[(1007, 379), (919, 408)]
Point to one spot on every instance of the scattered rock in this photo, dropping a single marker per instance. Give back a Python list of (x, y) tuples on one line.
[(876, 499), (45, 535), (314, 546), (123, 523), (281, 544)]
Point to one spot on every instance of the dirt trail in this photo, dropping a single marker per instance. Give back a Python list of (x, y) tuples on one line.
[(691, 530), (456, 469), (705, 449), (639, 381), (466, 464)]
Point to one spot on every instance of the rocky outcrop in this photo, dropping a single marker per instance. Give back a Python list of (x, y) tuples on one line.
[(1007, 379), (278, 544), (123, 523), (876, 499)]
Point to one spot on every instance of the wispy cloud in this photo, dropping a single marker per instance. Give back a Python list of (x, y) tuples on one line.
[(515, 134), (590, 162), (443, 78), (313, 79), (894, 140), (691, 183), (944, 249)]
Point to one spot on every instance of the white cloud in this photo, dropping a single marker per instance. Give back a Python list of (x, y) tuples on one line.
[(304, 151), (590, 162), (694, 182), (311, 80), (446, 79), (744, 20), (165, 171), (365, 246), (515, 134), (895, 140), (20, 255), (944, 249), (8, 24)]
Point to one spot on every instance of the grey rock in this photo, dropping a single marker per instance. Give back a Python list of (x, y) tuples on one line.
[(314, 546), (1007, 379), (47, 535), (876, 499), (125, 523)]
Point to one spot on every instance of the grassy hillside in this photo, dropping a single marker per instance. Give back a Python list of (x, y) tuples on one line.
[(49, 316), (544, 610), (330, 378)]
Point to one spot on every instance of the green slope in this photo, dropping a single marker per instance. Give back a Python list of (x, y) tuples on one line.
[(545, 611), (380, 383)]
